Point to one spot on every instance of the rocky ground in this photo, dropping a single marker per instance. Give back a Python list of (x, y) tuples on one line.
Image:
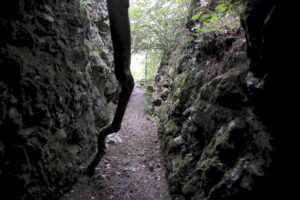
[(132, 167)]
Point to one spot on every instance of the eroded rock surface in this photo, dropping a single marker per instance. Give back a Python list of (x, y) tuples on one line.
[(215, 144), (56, 85)]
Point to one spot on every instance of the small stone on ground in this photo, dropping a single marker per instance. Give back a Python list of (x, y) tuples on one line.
[(132, 167)]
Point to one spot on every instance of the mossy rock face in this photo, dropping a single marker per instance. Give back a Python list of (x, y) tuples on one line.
[(209, 108), (180, 80), (189, 188), (171, 128)]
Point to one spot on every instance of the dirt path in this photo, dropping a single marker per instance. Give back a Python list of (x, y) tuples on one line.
[(132, 167)]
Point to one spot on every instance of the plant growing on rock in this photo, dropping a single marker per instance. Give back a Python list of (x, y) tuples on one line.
[(221, 16)]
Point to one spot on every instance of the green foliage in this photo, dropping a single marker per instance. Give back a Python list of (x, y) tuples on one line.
[(222, 7), (144, 64), (197, 16), (219, 16), (152, 61), (156, 26)]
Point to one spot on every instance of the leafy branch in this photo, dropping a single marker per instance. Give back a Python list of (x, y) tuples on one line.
[(220, 17)]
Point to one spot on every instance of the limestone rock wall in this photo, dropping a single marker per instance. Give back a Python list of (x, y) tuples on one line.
[(56, 89), (216, 145)]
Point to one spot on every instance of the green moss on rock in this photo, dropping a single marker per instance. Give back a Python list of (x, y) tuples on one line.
[(189, 188), (170, 128), (180, 80), (80, 5)]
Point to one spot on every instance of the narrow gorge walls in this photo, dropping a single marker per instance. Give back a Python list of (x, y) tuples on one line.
[(225, 99), (214, 98), (56, 90)]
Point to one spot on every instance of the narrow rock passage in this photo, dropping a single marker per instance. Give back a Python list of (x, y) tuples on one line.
[(132, 167)]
